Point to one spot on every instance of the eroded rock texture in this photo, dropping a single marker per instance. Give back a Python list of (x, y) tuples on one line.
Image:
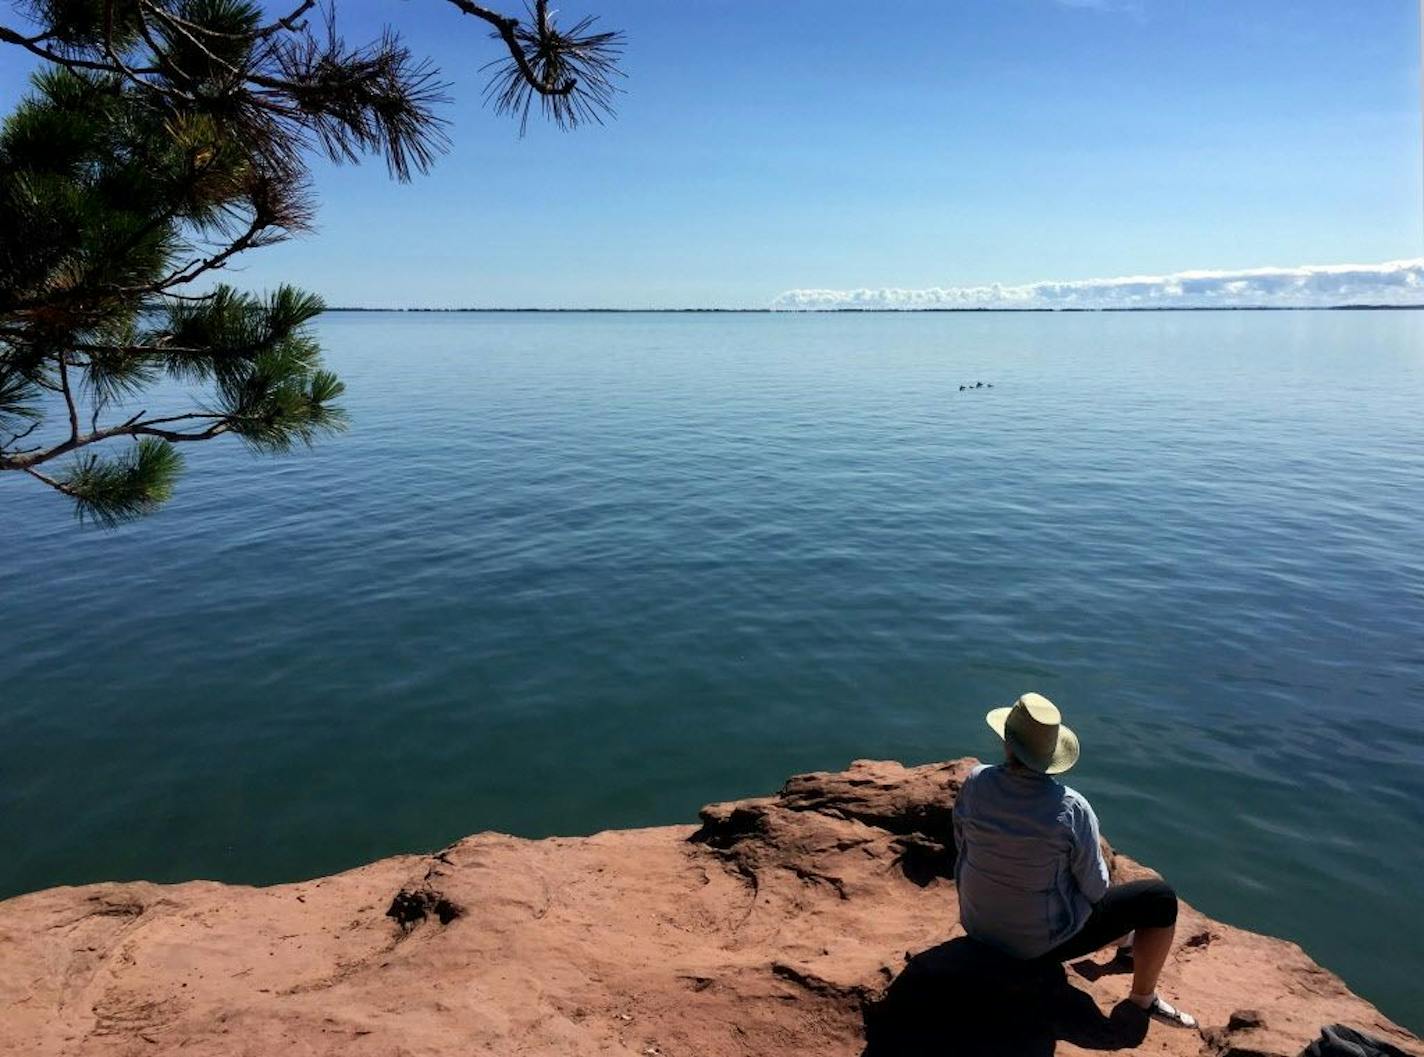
[(820, 921)]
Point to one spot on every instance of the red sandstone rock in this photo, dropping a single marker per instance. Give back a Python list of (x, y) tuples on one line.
[(783, 925)]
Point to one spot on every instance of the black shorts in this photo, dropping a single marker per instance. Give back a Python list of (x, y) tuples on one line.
[(1135, 905)]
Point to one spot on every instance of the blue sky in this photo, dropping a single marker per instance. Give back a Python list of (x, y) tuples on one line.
[(762, 147)]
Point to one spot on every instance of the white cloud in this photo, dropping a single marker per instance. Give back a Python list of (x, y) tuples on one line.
[(1309, 286)]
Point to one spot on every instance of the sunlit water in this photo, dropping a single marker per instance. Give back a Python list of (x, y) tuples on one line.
[(569, 572)]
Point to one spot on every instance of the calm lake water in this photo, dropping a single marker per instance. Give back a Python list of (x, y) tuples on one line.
[(569, 572)]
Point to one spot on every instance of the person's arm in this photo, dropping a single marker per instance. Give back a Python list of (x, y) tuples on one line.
[(1089, 869), (958, 816)]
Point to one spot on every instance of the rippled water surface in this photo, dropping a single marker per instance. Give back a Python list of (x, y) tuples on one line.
[(569, 572)]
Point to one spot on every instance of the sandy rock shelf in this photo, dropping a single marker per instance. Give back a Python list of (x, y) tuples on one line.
[(819, 921)]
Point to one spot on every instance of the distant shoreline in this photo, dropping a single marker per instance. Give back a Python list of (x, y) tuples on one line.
[(907, 311)]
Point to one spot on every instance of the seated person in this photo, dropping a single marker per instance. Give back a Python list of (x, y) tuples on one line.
[(1030, 873)]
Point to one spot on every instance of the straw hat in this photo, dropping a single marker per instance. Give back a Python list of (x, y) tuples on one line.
[(1033, 730)]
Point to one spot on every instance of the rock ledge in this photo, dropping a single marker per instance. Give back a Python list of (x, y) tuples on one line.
[(817, 921)]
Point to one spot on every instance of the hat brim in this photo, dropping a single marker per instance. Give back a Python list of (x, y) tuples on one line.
[(1065, 753)]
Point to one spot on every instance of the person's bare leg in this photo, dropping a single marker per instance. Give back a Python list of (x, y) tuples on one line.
[(1150, 948)]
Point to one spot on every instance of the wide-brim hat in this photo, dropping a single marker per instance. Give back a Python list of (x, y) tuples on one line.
[(1033, 729)]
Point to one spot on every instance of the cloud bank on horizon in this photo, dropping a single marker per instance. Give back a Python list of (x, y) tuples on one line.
[(1395, 283)]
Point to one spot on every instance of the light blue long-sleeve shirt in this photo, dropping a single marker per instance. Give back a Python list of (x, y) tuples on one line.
[(1029, 865)]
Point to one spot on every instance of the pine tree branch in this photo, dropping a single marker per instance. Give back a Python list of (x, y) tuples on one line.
[(194, 269), (190, 416), (68, 398), (138, 350), (288, 23), (208, 434), (69, 62), (58, 486), (21, 436), (183, 26), (132, 428), (506, 28), (119, 64), (188, 297), (165, 60), (221, 107)]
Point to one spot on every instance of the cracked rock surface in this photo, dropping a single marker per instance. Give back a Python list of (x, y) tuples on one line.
[(821, 920)]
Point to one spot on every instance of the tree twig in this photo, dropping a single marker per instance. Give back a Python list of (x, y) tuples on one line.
[(182, 26), (30, 44), (131, 428), (164, 59), (194, 269), (289, 22), (68, 398), (56, 485), (119, 65), (21, 436), (505, 27)]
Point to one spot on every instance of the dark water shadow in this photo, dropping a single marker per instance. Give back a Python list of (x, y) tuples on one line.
[(966, 999)]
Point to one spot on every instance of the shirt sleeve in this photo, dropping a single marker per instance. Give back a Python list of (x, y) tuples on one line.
[(1089, 869), (957, 816)]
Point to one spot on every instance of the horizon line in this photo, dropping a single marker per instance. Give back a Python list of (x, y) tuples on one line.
[(906, 311)]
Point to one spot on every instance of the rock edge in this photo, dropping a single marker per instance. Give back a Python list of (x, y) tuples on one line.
[(821, 920)]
